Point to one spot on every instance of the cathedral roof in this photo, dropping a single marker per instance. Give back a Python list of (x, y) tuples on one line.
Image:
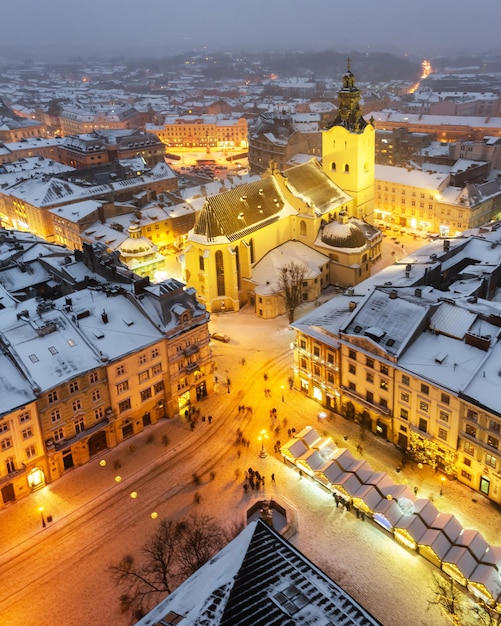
[(309, 182), (241, 211), (238, 212)]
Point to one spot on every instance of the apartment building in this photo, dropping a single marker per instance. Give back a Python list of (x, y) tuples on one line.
[(412, 355), (430, 202), (87, 369), (201, 131)]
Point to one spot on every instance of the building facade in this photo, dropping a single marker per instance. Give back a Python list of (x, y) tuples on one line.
[(413, 359), (86, 370)]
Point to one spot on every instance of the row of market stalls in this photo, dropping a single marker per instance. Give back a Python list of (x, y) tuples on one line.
[(461, 553)]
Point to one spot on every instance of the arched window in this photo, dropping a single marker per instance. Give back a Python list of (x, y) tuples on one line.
[(201, 262), (347, 168), (302, 228), (220, 273), (251, 247), (10, 465), (333, 166)]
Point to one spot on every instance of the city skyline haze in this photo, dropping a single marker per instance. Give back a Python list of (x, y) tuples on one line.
[(59, 30)]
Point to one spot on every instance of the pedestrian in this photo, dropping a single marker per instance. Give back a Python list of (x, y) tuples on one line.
[(300, 473), (210, 419), (203, 418), (246, 487), (289, 432), (273, 478), (262, 481)]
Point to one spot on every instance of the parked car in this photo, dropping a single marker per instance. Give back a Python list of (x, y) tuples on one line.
[(220, 337)]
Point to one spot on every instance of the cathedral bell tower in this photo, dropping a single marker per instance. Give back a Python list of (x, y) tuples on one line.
[(348, 150)]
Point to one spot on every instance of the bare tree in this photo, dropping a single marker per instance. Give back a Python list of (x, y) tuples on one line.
[(174, 552), (448, 597), (290, 285), (484, 615)]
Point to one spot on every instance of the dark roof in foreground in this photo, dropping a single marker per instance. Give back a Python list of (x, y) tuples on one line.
[(259, 579)]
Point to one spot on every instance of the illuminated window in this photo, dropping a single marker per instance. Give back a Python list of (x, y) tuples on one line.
[(490, 460), (493, 442), (469, 448), (471, 430), (443, 416)]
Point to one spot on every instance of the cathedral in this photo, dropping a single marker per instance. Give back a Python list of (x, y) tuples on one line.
[(319, 215)]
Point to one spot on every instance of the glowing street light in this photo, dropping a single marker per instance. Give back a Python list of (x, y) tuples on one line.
[(283, 394), (44, 524), (262, 436)]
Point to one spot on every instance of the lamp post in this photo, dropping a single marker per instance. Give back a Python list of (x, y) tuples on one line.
[(262, 436), (40, 508), (283, 400), (442, 485)]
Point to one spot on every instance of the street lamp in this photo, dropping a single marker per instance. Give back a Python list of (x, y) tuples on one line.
[(442, 485), (262, 436), (40, 508), (283, 394)]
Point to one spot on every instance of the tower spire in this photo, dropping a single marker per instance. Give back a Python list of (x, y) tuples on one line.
[(349, 113)]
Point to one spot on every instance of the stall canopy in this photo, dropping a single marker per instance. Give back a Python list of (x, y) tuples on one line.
[(366, 498), (309, 435), (485, 582), (293, 449), (381, 481), (473, 541), (344, 458), (448, 524), (311, 461), (426, 510), (434, 545), (387, 513), (459, 563), (410, 529)]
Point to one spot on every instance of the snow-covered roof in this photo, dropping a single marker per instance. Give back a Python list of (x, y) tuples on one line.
[(258, 578)]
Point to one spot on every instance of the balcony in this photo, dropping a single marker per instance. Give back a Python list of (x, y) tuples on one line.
[(377, 408)]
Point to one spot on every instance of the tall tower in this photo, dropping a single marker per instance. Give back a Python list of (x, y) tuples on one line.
[(348, 150)]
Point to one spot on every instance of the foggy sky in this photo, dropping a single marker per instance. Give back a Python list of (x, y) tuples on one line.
[(52, 29)]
